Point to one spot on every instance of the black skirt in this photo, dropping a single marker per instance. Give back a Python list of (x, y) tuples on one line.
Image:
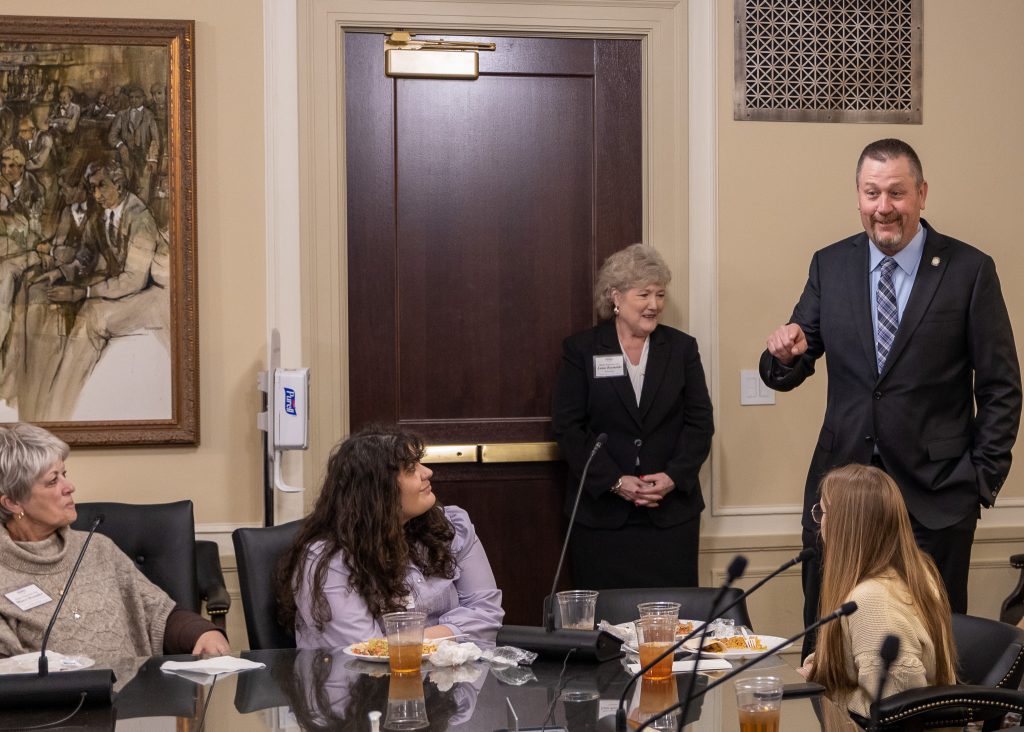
[(639, 554)]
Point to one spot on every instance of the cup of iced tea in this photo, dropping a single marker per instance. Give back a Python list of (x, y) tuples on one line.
[(655, 634), (577, 608), (405, 640), (759, 702), (406, 706)]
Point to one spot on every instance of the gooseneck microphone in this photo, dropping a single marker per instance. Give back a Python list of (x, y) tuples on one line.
[(44, 667), (734, 571), (549, 608), (589, 645), (69, 687), (847, 609), (888, 652)]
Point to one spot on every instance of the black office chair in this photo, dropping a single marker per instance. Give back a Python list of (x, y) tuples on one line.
[(619, 605), (257, 552), (161, 538), (1012, 609), (991, 665)]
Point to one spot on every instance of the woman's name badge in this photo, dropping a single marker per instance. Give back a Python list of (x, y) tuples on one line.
[(28, 597), (608, 366)]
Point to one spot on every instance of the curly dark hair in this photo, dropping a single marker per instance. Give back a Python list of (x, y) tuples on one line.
[(358, 513)]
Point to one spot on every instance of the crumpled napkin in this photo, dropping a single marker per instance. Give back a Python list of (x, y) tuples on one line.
[(450, 653), (201, 671), (706, 664)]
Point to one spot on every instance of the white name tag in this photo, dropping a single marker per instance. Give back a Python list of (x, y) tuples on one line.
[(28, 597), (607, 366)]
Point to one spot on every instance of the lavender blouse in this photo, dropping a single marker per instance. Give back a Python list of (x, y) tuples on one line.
[(468, 603)]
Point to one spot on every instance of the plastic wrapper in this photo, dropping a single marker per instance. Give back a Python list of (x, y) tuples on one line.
[(508, 656)]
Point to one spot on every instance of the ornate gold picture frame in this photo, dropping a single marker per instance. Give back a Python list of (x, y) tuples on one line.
[(98, 312)]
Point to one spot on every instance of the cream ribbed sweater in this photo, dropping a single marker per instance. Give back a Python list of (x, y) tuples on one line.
[(112, 610), (884, 608)]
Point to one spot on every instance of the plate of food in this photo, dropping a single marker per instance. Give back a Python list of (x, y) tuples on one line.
[(376, 650), (628, 632), (736, 646)]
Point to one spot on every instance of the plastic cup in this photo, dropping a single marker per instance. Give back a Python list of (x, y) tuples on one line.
[(405, 640), (577, 608), (655, 634), (759, 703), (658, 608)]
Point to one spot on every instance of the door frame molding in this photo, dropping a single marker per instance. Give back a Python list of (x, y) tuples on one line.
[(306, 224)]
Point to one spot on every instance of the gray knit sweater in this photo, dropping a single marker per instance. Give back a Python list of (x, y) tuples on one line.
[(112, 610)]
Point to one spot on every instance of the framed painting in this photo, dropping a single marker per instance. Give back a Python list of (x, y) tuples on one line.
[(98, 314)]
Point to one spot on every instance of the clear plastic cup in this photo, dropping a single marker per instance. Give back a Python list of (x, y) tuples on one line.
[(759, 703), (658, 607), (407, 708), (577, 608), (405, 640), (654, 634)]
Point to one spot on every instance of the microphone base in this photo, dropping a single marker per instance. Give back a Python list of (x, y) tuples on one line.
[(58, 689), (590, 645)]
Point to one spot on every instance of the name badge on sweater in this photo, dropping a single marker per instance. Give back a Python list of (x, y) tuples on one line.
[(28, 597), (606, 367)]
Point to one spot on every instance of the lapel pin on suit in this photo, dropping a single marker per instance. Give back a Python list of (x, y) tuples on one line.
[(936, 261)]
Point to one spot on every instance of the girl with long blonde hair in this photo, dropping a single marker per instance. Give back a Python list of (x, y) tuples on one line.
[(871, 557)]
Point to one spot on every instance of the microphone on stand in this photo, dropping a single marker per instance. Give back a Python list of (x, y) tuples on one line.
[(590, 645), (888, 652), (41, 689), (735, 570), (549, 609), (847, 609)]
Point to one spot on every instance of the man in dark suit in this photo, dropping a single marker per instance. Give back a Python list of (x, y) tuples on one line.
[(923, 378)]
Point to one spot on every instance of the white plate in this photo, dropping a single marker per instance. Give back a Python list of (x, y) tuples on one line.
[(629, 629), (347, 650), (770, 641), (28, 663)]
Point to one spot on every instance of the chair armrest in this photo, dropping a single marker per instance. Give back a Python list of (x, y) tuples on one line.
[(210, 579), (948, 706), (1017, 560)]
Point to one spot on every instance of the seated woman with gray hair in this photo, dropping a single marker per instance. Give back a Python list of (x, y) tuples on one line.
[(111, 610)]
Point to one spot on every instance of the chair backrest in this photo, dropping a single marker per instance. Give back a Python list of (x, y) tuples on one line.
[(619, 605), (991, 653), (159, 537), (257, 552)]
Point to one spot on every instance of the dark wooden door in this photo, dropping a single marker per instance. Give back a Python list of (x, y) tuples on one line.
[(478, 213)]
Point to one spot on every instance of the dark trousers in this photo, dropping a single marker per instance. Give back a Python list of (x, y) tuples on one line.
[(950, 547)]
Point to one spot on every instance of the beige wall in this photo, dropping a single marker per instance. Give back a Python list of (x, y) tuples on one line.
[(223, 476)]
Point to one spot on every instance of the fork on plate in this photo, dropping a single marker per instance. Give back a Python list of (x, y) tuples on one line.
[(750, 640)]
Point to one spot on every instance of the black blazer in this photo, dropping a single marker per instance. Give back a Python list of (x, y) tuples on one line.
[(669, 432), (954, 348)]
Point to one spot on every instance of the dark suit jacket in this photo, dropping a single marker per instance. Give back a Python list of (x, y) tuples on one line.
[(954, 347), (669, 432)]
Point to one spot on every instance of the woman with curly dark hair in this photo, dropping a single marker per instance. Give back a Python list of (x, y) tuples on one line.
[(378, 542)]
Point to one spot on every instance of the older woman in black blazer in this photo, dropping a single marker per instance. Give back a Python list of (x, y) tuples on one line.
[(638, 523)]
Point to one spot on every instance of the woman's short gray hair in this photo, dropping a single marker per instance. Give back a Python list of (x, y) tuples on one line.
[(638, 265), (26, 453)]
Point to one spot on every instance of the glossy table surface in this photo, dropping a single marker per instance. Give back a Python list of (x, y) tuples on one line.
[(316, 690)]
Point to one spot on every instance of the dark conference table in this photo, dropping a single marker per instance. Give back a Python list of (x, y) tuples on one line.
[(316, 690)]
